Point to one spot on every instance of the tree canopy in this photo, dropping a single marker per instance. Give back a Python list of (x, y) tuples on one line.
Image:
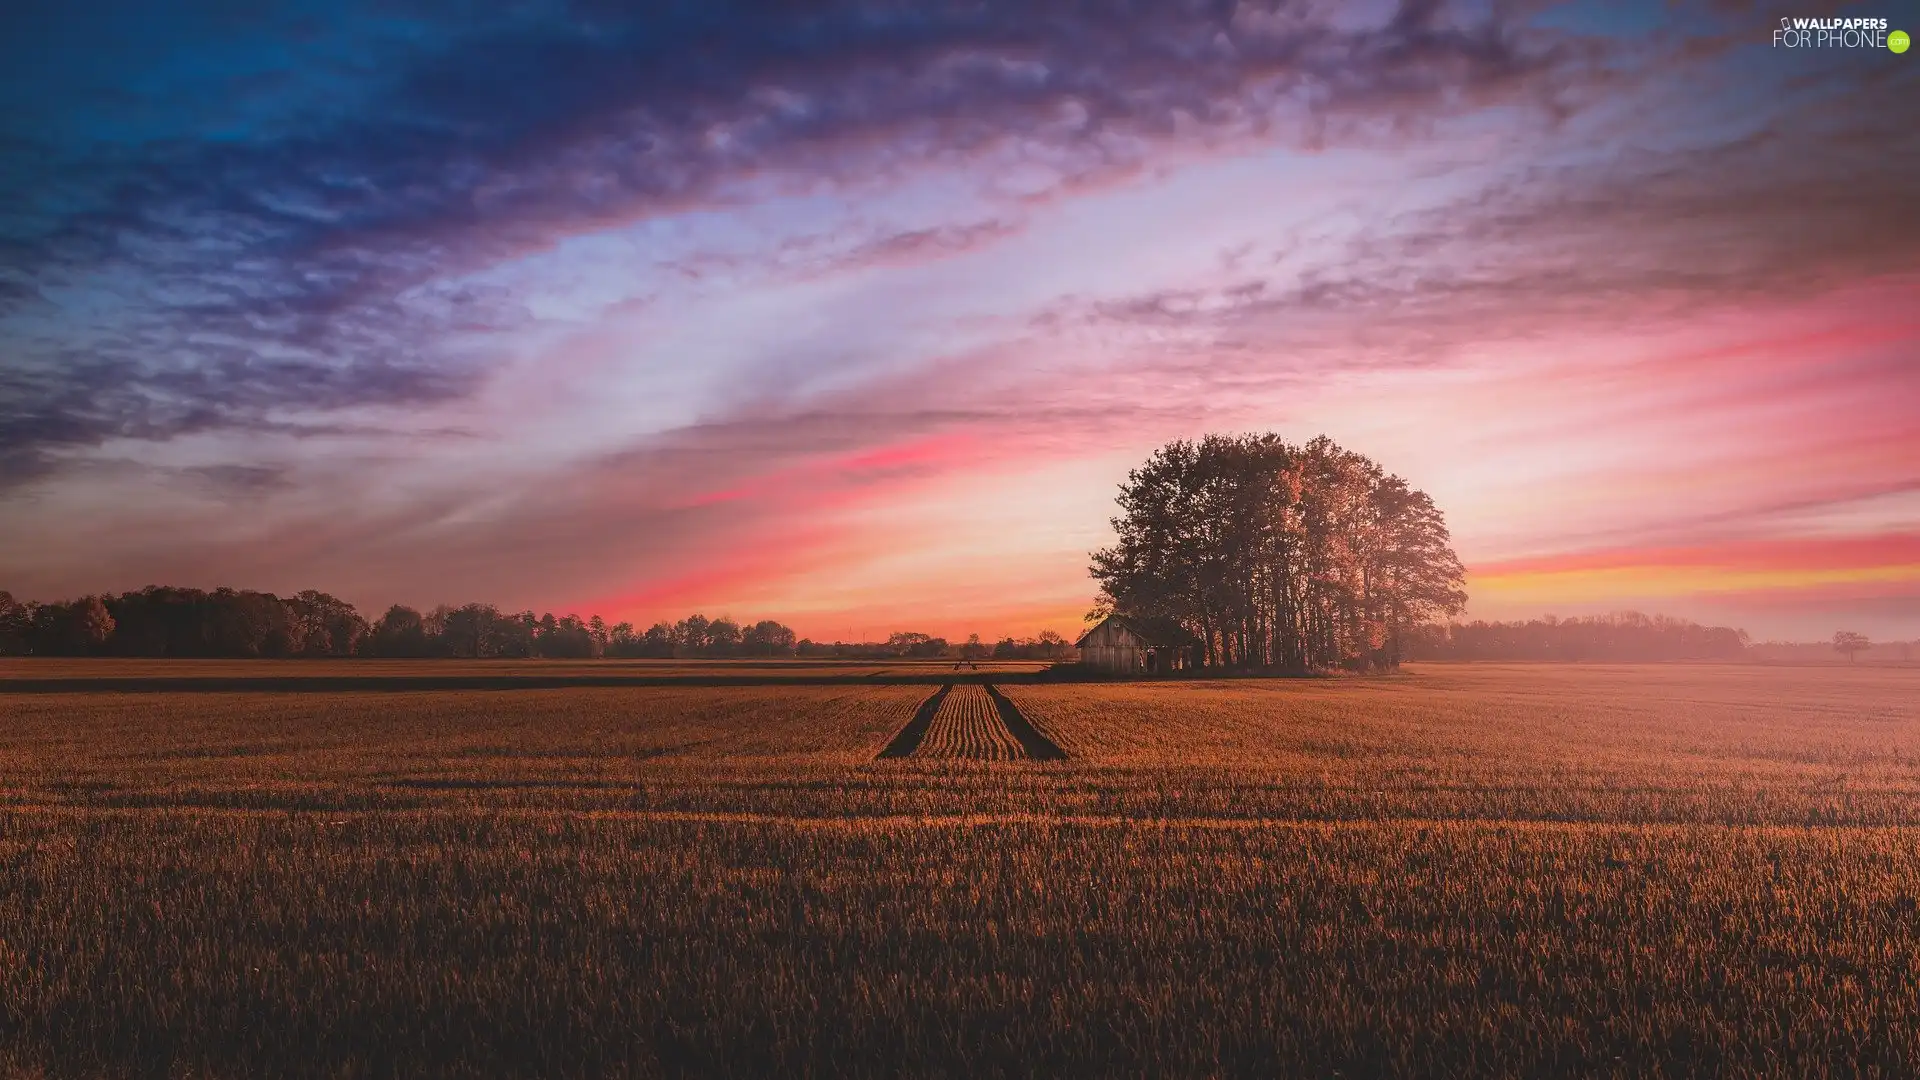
[(1277, 555), (1850, 642)]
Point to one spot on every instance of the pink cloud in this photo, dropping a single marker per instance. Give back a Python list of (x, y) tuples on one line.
[(819, 479)]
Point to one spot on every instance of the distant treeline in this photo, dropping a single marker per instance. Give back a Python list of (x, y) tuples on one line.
[(1047, 645), (161, 621), (1826, 652), (1621, 636)]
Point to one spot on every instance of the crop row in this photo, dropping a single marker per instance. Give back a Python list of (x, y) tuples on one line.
[(968, 726)]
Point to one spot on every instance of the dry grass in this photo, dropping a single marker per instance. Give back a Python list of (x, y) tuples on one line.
[(1475, 869)]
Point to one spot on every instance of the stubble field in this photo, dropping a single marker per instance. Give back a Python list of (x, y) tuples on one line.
[(1476, 869)]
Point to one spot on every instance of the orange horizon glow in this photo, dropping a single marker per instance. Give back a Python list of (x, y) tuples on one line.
[(866, 365)]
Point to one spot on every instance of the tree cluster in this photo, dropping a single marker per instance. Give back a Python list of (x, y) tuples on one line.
[(1046, 645), (1276, 555), (919, 646), (697, 635), (162, 621), (1625, 636)]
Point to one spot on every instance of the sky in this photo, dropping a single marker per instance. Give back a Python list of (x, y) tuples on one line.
[(856, 314)]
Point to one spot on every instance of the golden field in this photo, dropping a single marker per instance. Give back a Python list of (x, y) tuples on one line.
[(1462, 869)]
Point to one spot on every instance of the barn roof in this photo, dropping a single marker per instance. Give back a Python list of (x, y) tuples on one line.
[(1156, 633)]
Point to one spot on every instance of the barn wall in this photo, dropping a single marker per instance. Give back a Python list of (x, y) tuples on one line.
[(1110, 646), (1111, 658)]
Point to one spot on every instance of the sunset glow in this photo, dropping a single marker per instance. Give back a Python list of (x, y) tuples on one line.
[(857, 323)]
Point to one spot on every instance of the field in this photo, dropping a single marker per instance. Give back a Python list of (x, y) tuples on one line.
[(1462, 869)]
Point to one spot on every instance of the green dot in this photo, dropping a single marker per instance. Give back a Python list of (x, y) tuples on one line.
[(1898, 41)]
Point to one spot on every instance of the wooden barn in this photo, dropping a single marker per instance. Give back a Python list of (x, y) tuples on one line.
[(1128, 646)]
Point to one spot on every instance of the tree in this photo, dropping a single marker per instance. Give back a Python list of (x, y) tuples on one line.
[(162, 621), (516, 633), (401, 632), (91, 624), (919, 646), (476, 630), (691, 633), (908, 643), (660, 641), (1270, 554), (623, 640), (1848, 642), (972, 649), (15, 620), (723, 637), (76, 628), (768, 638), (323, 625), (1046, 645), (569, 638)]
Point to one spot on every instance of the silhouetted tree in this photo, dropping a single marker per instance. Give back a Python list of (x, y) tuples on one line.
[(691, 633), (1848, 642), (908, 643), (515, 633), (401, 632), (15, 620), (660, 641), (76, 628), (623, 641), (1046, 645), (723, 637), (767, 638), (1272, 554), (1626, 635), (323, 625), (566, 638), (479, 630)]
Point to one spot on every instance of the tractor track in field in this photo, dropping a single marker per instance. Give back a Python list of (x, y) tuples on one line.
[(1037, 746), (908, 740), (979, 723)]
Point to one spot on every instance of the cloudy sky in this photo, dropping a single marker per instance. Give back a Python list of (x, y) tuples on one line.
[(853, 314)]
